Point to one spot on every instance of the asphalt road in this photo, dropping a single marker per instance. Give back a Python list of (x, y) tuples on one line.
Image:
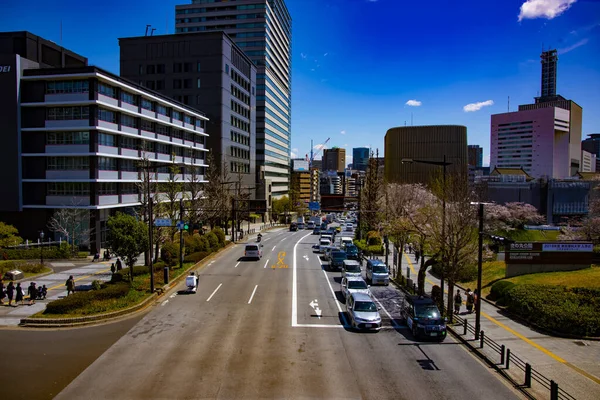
[(39, 363), (250, 332)]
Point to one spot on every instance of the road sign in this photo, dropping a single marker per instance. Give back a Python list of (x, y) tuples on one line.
[(180, 225), (162, 222), (314, 206)]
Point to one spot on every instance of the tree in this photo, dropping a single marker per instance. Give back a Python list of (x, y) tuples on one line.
[(147, 184), (72, 224), (171, 189), (193, 186), (9, 235), (216, 202), (510, 216), (370, 196), (281, 205), (128, 238)]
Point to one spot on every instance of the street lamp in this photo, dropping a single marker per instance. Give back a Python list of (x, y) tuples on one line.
[(443, 164), (479, 270), (42, 247)]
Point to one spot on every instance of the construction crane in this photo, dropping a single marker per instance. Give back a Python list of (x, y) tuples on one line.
[(310, 163)]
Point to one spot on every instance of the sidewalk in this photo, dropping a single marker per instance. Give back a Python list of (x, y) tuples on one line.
[(83, 274), (573, 364)]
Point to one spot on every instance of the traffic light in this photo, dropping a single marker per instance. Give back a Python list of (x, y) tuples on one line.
[(186, 226)]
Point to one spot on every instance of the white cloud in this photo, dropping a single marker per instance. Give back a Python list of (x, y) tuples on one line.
[(413, 103), (312, 69), (319, 147), (293, 154), (346, 145), (573, 46), (477, 106), (325, 55), (548, 9), (303, 55), (343, 132)]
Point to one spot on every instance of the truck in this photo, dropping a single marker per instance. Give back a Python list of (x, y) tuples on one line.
[(300, 220)]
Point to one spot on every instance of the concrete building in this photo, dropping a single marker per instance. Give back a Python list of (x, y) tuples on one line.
[(263, 29), (209, 72), (331, 183), (592, 145), (360, 158), (588, 162), (334, 159), (424, 143), (301, 186), (78, 136), (549, 60), (475, 153)]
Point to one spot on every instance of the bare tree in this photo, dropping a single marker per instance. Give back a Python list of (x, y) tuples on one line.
[(371, 194), (216, 202), (72, 224), (193, 186), (147, 184), (171, 191)]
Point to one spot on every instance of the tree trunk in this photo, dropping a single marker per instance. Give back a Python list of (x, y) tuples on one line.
[(156, 249), (131, 273)]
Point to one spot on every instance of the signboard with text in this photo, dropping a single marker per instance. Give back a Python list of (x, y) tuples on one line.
[(550, 253)]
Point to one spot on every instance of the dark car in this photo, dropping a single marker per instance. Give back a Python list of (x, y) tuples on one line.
[(337, 259), (293, 227), (324, 226), (423, 318), (317, 231), (351, 252)]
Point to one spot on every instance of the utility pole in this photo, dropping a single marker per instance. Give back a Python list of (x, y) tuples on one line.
[(150, 223), (443, 236), (479, 273), (233, 221), (181, 233)]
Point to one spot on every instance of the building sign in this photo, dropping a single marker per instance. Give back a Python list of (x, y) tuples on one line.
[(550, 253), (567, 247), (4, 68), (300, 165)]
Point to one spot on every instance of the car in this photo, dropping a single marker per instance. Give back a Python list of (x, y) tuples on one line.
[(324, 226), (310, 225), (338, 228), (351, 252), (191, 283), (317, 231), (253, 251), (377, 272), (351, 268), (354, 284), (348, 228), (328, 251), (363, 312), (345, 240), (337, 259), (323, 243), (423, 318), (293, 227), (300, 225)]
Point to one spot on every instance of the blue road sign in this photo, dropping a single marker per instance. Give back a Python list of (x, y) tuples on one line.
[(180, 225), (162, 222), (314, 206)]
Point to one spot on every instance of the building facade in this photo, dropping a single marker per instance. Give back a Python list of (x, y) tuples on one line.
[(334, 159), (80, 135), (475, 155), (588, 161), (424, 143), (592, 145), (263, 29), (360, 158), (300, 187), (206, 71)]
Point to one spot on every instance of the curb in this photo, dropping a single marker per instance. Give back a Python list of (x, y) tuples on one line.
[(32, 278), (109, 317)]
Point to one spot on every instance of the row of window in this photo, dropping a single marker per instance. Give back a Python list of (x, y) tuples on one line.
[(61, 163), (71, 86), (67, 113), (238, 93), (68, 138), (240, 153), (239, 124), (239, 109), (185, 83), (223, 8), (237, 78), (239, 167), (239, 138), (67, 163)]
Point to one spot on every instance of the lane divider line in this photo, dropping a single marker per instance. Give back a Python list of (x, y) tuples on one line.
[(213, 293), (295, 285), (266, 263), (252, 295), (274, 248), (238, 263)]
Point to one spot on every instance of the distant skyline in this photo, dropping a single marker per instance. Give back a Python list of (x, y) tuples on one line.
[(361, 67)]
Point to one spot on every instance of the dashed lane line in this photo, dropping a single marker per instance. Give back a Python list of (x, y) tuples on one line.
[(238, 263), (213, 293), (266, 263), (252, 295)]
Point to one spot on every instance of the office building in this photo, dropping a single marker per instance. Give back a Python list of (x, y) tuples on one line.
[(206, 71), (424, 145), (79, 135), (334, 159), (300, 187), (331, 183), (592, 145), (475, 155), (263, 29), (360, 158), (588, 161), (549, 61)]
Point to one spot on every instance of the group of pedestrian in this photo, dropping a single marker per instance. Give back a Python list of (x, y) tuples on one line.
[(119, 266), (17, 293), (471, 299)]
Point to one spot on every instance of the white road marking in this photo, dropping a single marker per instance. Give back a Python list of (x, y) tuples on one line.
[(295, 286), (386, 311), (266, 239), (164, 302), (266, 263), (173, 295), (337, 303), (313, 303), (274, 248), (210, 263), (213, 293), (252, 295), (236, 265)]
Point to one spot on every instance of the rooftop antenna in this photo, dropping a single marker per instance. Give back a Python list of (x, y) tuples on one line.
[(147, 26), (508, 104), (152, 32)]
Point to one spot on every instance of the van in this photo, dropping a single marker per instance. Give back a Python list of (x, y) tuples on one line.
[(377, 272), (323, 242), (351, 268), (253, 251), (423, 318), (345, 240)]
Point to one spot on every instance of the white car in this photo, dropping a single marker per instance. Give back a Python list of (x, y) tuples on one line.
[(354, 285), (253, 251), (191, 283), (323, 243)]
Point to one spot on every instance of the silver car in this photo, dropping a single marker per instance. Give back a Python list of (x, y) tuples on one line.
[(354, 285), (351, 268), (363, 312), (377, 272)]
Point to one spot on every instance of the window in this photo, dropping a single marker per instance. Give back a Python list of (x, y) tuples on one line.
[(227, 69), (198, 83), (176, 115), (128, 188), (108, 116), (127, 120), (162, 129), (68, 189), (178, 133), (176, 83), (105, 139), (198, 66), (160, 85), (177, 67), (57, 87), (197, 99), (187, 119), (160, 68), (187, 67), (107, 90), (162, 148), (129, 143), (128, 98), (107, 164), (147, 125), (68, 138), (150, 69), (162, 110), (68, 163), (141, 69), (128, 165), (150, 85), (107, 188), (67, 113), (147, 104), (187, 83)]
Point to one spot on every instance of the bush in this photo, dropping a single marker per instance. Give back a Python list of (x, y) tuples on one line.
[(50, 252), (191, 243), (32, 268), (195, 257), (81, 299), (213, 241), (373, 238), (220, 235), (96, 285), (467, 273), (573, 311), (499, 289), (169, 253), (203, 244)]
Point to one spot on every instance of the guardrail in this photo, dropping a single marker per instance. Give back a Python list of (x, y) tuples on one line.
[(507, 358)]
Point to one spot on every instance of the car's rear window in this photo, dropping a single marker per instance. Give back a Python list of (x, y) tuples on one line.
[(252, 247)]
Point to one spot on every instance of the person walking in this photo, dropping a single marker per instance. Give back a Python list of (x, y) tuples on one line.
[(20, 294), (10, 292), (112, 268), (457, 302), (2, 292), (417, 256), (32, 292), (70, 284), (119, 264), (470, 301)]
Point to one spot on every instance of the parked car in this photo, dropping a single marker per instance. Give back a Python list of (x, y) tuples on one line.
[(351, 268), (423, 317), (293, 227), (377, 272), (338, 257), (301, 225), (363, 312), (354, 284), (253, 251)]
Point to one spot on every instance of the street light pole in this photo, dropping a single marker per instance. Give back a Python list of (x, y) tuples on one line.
[(181, 233), (150, 230), (42, 247), (443, 235), (479, 273)]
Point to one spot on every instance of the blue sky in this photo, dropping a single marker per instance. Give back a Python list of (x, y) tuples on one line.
[(356, 63)]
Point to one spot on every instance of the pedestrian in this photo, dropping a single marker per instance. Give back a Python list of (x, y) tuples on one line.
[(470, 301), (457, 302), (112, 268), (70, 284), (20, 294), (410, 249), (417, 256), (2, 291), (475, 297), (10, 292), (119, 264), (32, 292)]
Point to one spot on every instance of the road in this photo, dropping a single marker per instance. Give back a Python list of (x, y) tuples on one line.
[(250, 331)]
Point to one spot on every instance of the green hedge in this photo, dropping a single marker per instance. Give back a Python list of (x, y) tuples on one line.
[(573, 311), (362, 246), (169, 253), (54, 252), (81, 299), (498, 291), (197, 256), (33, 268)]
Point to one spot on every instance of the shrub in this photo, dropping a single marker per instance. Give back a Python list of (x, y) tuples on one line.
[(191, 243), (499, 289), (467, 273), (373, 238), (220, 235), (169, 253), (32, 268), (81, 299), (203, 244), (213, 241), (34, 253), (572, 311), (195, 257), (96, 285), (118, 276)]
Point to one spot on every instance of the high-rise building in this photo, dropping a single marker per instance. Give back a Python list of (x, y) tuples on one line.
[(360, 158), (592, 145), (263, 29), (207, 71), (475, 155), (549, 65), (424, 143), (334, 159), (588, 161)]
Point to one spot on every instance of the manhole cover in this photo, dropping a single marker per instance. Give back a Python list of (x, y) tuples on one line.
[(580, 343)]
